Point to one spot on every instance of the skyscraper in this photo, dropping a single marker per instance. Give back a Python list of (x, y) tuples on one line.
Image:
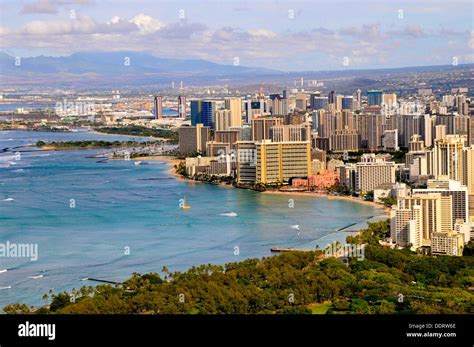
[(196, 112), (332, 97), (182, 107), (374, 97), (301, 101), (319, 103), (373, 171), (158, 107), (261, 127), (234, 105), (223, 119), (448, 157), (278, 162), (276, 104), (347, 102), (208, 113), (454, 189), (431, 213), (287, 133), (359, 99), (193, 139)]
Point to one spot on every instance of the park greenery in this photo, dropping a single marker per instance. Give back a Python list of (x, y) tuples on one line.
[(386, 281), (133, 130)]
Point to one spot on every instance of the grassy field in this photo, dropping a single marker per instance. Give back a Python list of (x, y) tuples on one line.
[(319, 308)]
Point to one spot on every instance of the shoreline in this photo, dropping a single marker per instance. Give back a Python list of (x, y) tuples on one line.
[(332, 197), (172, 161)]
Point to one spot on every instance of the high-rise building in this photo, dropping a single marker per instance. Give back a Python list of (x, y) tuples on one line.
[(359, 99), (347, 102), (345, 140), (468, 175), (406, 226), (276, 104), (158, 107), (217, 149), (418, 160), (447, 243), (235, 107), (390, 140), (254, 108), (373, 171), (448, 157), (193, 139), (433, 215), (231, 135), (370, 127), (470, 131), (286, 133), (208, 113), (325, 124), (332, 97), (261, 127), (301, 101), (196, 112), (389, 100), (454, 189), (246, 162), (182, 112), (338, 103), (223, 119), (440, 132), (374, 97), (319, 103), (427, 130), (278, 162)]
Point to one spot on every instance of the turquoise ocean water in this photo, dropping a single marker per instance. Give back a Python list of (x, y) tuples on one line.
[(120, 206)]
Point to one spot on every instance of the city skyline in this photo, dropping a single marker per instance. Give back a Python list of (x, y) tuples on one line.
[(285, 36)]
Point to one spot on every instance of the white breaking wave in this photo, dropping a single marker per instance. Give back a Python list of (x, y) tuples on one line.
[(8, 158), (35, 277), (8, 287), (8, 199), (4, 270), (296, 227), (229, 214)]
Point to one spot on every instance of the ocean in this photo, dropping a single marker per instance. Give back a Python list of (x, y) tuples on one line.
[(107, 220)]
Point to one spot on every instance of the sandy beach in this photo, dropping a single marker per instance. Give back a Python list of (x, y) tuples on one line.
[(172, 161), (332, 197)]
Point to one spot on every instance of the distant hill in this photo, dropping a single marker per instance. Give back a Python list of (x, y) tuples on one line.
[(111, 63), (141, 67), (108, 70)]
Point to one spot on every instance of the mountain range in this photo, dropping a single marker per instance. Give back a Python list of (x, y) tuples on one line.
[(97, 70)]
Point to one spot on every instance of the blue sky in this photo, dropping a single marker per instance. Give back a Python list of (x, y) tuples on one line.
[(284, 35)]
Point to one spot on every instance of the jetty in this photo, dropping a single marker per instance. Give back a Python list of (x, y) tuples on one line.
[(103, 281)]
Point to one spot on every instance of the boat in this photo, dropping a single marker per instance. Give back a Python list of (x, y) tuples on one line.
[(184, 206), (138, 163)]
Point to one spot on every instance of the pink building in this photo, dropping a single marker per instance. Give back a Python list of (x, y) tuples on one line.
[(323, 180)]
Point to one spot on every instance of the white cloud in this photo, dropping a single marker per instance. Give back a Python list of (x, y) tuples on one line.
[(146, 24), (264, 33), (365, 45)]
